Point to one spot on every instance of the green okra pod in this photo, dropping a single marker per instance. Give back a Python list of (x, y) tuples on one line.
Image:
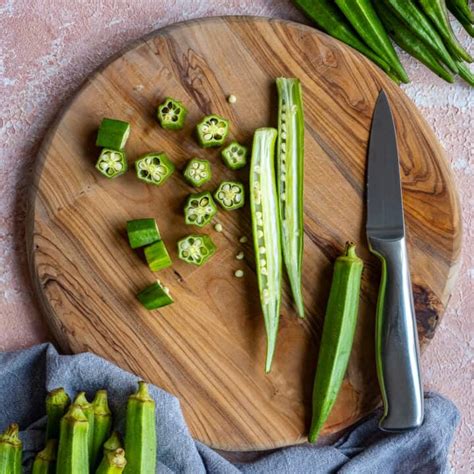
[(460, 14), (88, 410), (102, 426), (113, 443), (113, 462), (460, 8), (45, 460), (10, 450), (57, 402), (466, 73)]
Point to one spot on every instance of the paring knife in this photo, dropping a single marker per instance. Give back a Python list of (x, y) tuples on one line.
[(397, 353)]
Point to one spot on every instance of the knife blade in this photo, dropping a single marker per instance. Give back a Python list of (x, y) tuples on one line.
[(396, 345)]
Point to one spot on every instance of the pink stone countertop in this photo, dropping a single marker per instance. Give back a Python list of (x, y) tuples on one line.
[(48, 47)]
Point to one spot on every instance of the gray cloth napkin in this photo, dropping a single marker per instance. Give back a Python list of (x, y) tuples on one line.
[(27, 375)]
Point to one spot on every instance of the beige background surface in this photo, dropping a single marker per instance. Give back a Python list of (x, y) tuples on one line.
[(48, 47)]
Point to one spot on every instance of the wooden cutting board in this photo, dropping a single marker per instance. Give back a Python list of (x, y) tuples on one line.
[(208, 348)]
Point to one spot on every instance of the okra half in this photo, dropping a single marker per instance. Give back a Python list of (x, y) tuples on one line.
[(10, 450), (102, 426), (57, 402), (45, 460)]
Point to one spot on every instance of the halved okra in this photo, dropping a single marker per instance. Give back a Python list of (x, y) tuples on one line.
[(196, 249), (230, 195), (157, 256), (172, 114), (197, 172), (113, 134), (142, 232), (212, 130), (155, 296), (112, 163), (154, 168), (234, 155), (199, 209)]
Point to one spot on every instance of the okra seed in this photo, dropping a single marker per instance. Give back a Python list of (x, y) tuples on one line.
[(218, 227), (243, 239), (232, 99), (239, 273), (240, 256)]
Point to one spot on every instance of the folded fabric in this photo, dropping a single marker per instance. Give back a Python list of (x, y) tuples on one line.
[(26, 376)]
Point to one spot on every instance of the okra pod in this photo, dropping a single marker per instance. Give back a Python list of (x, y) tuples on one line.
[(157, 256), (140, 432), (10, 450), (266, 232), (290, 172), (88, 410), (113, 443), (338, 333), (142, 232), (57, 402), (45, 460), (460, 15), (113, 462), (461, 8), (466, 73), (155, 296), (102, 426), (113, 134)]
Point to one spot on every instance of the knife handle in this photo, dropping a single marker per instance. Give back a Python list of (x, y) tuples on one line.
[(397, 353)]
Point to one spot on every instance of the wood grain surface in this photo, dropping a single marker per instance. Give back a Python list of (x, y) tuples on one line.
[(208, 348)]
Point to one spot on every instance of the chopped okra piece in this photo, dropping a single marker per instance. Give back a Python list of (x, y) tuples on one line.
[(200, 208), (157, 256), (142, 232), (154, 168), (113, 134), (197, 172), (196, 249), (155, 296), (112, 163), (234, 155), (171, 114), (212, 131), (230, 195)]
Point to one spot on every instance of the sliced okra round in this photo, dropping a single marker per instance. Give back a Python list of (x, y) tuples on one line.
[(112, 163), (113, 134), (199, 209), (154, 168), (196, 249), (212, 130), (172, 114), (197, 172), (230, 195), (234, 155)]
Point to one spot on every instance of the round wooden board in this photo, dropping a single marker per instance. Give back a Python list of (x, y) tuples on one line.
[(208, 348)]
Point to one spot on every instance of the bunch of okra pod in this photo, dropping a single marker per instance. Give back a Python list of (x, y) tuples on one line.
[(420, 27), (79, 438)]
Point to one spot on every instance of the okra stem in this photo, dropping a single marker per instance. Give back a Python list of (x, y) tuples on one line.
[(113, 443), (45, 460), (113, 462), (102, 425), (10, 450), (57, 402)]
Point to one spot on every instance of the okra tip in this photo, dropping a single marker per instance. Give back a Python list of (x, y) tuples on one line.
[(81, 399), (101, 403), (117, 458), (142, 392), (114, 442), (75, 413), (50, 450), (11, 433), (58, 396)]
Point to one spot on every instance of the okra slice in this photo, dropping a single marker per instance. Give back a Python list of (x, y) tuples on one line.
[(212, 130), (197, 172), (102, 426), (230, 195), (234, 155), (113, 134), (172, 114), (142, 232), (290, 172), (155, 296), (10, 450), (45, 460), (266, 232), (199, 209), (154, 168), (112, 163), (57, 402), (112, 463), (196, 249), (157, 256)]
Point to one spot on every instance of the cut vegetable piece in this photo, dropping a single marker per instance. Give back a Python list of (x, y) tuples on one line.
[(112, 163), (157, 256), (45, 460), (290, 171), (102, 426), (10, 450), (142, 232), (57, 402), (266, 232), (230, 195), (234, 155), (196, 249), (113, 134), (199, 209), (155, 296), (212, 130), (154, 168), (197, 172), (172, 114)]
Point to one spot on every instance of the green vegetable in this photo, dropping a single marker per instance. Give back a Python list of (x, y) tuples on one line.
[(10, 450), (196, 249), (410, 43), (234, 155), (102, 426), (230, 195), (154, 168), (113, 134), (155, 296), (157, 256), (172, 114), (266, 232), (338, 333), (113, 443), (88, 410), (459, 11), (197, 172), (437, 12), (140, 432), (113, 463), (199, 209), (212, 130), (290, 172), (73, 450), (57, 402), (112, 163), (45, 460), (142, 232), (466, 73), (421, 27), (362, 17)]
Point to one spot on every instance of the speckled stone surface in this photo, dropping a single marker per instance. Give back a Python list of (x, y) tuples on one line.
[(48, 47)]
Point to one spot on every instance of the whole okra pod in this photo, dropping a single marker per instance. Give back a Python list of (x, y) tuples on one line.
[(88, 410), (113, 443), (460, 9), (102, 426), (45, 460), (10, 450), (113, 462), (57, 402)]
